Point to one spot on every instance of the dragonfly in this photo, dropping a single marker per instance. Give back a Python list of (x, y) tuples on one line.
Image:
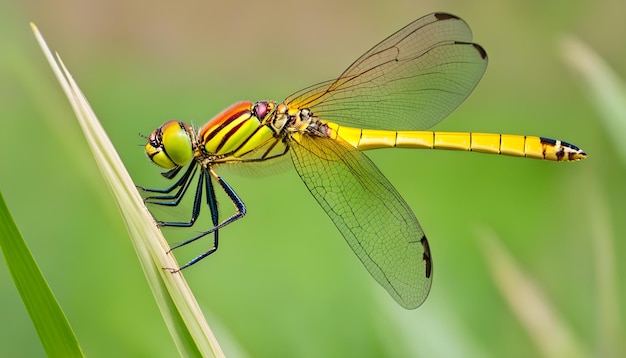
[(388, 98)]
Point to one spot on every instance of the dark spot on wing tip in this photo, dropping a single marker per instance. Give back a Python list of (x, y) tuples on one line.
[(445, 16), (480, 50), (426, 257)]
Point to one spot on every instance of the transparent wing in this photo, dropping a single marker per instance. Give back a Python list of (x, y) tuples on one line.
[(411, 80), (371, 215)]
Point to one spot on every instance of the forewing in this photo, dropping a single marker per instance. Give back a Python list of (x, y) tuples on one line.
[(371, 215), (410, 81)]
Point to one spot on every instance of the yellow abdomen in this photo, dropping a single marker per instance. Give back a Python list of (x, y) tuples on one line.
[(514, 145)]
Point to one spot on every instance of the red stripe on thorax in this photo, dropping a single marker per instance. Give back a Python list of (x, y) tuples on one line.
[(229, 134), (224, 118)]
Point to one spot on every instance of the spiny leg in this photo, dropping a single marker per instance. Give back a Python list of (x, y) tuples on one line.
[(172, 200), (197, 203), (212, 203), (237, 202), (168, 175)]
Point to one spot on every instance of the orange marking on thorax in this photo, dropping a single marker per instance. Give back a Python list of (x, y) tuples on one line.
[(236, 110)]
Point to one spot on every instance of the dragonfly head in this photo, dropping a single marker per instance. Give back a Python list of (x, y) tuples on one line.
[(171, 145)]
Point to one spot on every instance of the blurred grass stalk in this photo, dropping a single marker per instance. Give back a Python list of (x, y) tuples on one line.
[(608, 93), (604, 87), (542, 321), (547, 330), (181, 312)]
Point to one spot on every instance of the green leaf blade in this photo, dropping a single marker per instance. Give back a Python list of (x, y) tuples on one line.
[(55, 333)]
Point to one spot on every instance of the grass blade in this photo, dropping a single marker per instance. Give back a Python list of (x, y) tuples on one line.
[(55, 332), (608, 92), (181, 312), (527, 301), (604, 87)]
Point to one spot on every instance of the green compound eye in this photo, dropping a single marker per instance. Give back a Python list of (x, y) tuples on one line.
[(170, 145)]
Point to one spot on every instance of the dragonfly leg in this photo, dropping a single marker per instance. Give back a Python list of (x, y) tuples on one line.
[(197, 203), (237, 202), (212, 203), (171, 200), (199, 257), (169, 175)]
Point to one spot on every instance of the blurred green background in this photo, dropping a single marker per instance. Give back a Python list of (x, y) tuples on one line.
[(283, 282)]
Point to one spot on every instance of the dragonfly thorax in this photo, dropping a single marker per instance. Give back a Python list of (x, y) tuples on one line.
[(310, 124), (292, 120), (303, 120)]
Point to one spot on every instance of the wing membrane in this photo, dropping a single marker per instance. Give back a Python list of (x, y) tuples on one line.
[(371, 215), (411, 80)]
